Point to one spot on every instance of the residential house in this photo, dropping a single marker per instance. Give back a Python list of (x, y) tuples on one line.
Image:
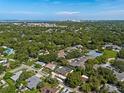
[(111, 88), (113, 47), (106, 65), (43, 52), (61, 73), (16, 76), (66, 90), (63, 70), (78, 62), (119, 76), (48, 90), (84, 78), (120, 59), (3, 84), (4, 62), (69, 49), (78, 46), (50, 66), (61, 54), (33, 82)]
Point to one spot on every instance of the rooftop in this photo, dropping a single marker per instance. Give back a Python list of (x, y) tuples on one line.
[(41, 63), (50, 66), (63, 70), (16, 76), (78, 61), (48, 90), (120, 76), (112, 88), (33, 82)]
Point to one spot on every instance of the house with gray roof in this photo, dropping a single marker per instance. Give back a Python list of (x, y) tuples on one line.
[(112, 88), (119, 76), (33, 82), (16, 76), (4, 62), (78, 62), (63, 70), (120, 59), (113, 47)]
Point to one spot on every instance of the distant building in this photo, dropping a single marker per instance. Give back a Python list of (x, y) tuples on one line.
[(50, 66), (113, 47), (84, 78), (120, 76), (61, 54), (66, 90), (4, 62), (69, 49), (16, 76), (112, 88), (33, 82), (48, 90), (61, 73), (120, 59), (3, 84), (63, 70), (43, 52), (42, 24), (41, 63), (106, 65), (9, 51), (78, 62)]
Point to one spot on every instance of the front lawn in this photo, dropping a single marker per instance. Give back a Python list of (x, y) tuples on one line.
[(109, 54)]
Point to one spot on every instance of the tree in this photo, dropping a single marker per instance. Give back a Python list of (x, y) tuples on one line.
[(119, 65), (86, 87), (25, 75), (107, 75), (2, 69), (121, 53), (73, 79), (7, 75), (73, 54), (37, 66), (48, 58)]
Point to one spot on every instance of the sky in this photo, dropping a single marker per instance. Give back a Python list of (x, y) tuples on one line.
[(62, 9)]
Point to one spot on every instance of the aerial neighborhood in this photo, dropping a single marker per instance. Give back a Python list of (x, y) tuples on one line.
[(61, 57)]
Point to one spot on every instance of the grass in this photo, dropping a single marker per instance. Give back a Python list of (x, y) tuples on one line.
[(10, 82), (109, 54)]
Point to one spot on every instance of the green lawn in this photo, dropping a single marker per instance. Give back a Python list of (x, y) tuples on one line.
[(109, 54), (10, 82)]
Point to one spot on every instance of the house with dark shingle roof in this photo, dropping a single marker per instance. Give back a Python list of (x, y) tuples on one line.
[(63, 70)]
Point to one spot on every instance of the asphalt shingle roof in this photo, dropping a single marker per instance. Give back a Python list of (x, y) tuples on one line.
[(33, 82)]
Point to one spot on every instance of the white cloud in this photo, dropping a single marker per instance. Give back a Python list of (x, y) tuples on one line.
[(67, 13)]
